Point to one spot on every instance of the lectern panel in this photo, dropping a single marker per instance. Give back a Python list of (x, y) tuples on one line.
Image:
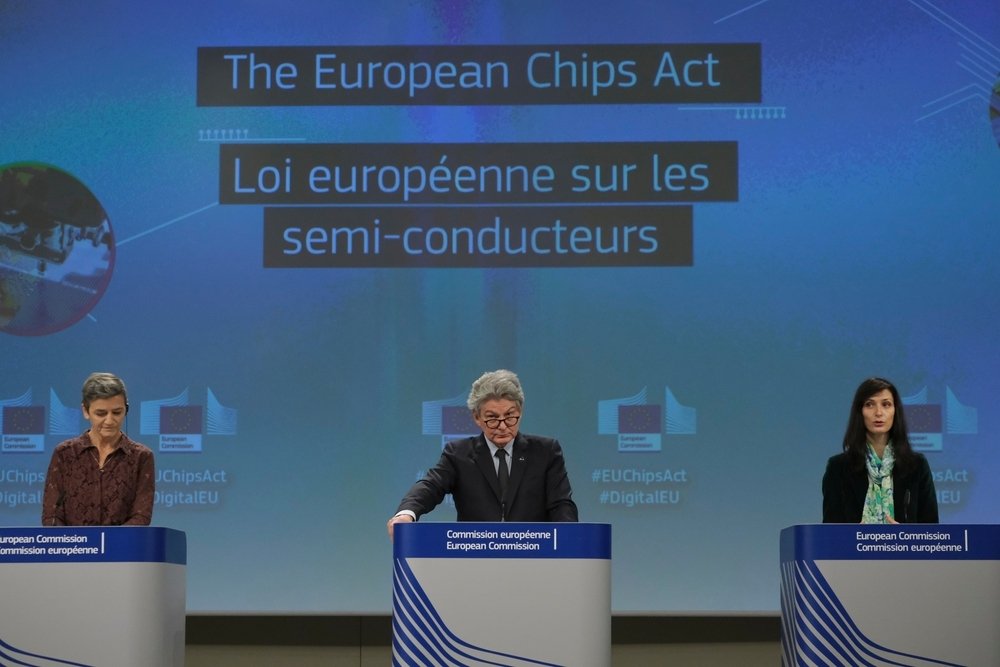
[(513, 594)]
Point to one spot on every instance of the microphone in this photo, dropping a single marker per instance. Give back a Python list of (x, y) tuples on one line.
[(906, 507), (503, 510)]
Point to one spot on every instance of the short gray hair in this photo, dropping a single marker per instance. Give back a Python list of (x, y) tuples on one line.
[(494, 385), (102, 385)]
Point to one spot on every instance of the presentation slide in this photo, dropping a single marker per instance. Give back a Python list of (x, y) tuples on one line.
[(299, 231)]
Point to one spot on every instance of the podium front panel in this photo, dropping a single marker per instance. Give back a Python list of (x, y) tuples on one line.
[(101, 597), (513, 594), (908, 594)]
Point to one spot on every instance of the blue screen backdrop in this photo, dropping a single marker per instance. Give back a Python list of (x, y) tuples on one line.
[(697, 403)]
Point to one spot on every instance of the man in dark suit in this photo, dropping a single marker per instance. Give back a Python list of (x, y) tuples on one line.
[(500, 475)]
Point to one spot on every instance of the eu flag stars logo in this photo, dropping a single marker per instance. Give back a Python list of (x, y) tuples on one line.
[(180, 427), (640, 425), (448, 418), (927, 422), (23, 428), (181, 424)]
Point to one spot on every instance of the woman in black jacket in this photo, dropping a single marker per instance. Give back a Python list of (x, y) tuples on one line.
[(878, 478)]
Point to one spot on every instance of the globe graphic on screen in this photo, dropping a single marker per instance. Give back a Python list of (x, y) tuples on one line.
[(56, 249)]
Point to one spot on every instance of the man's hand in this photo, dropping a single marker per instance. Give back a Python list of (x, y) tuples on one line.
[(399, 518)]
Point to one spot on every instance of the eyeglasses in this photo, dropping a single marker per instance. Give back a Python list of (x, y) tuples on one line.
[(495, 422)]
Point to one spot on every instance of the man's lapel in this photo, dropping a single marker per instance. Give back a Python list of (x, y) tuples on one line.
[(485, 464), (520, 459)]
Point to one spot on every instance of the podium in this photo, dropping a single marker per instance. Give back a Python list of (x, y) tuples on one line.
[(92, 596), (515, 594), (906, 594)]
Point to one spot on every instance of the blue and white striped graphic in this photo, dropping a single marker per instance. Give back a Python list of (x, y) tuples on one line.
[(63, 419), (960, 419), (221, 419), (431, 413), (149, 412), (817, 631), (22, 401), (9, 655), (607, 411), (421, 637), (679, 419)]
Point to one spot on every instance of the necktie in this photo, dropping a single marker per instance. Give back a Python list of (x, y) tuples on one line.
[(502, 473)]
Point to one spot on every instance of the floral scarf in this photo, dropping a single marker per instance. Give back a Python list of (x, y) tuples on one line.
[(878, 500)]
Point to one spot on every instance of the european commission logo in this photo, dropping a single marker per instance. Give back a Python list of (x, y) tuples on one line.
[(639, 425), (449, 418), (180, 424), (23, 425), (928, 422), (23, 428)]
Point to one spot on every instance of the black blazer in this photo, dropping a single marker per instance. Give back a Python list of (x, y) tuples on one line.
[(538, 490), (844, 490)]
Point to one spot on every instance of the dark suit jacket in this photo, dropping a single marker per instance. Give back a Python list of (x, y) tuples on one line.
[(538, 489), (844, 490)]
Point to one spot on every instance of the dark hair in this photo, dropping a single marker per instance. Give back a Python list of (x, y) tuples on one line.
[(102, 385), (856, 436)]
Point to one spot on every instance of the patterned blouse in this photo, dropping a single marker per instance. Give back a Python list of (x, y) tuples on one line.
[(78, 492)]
